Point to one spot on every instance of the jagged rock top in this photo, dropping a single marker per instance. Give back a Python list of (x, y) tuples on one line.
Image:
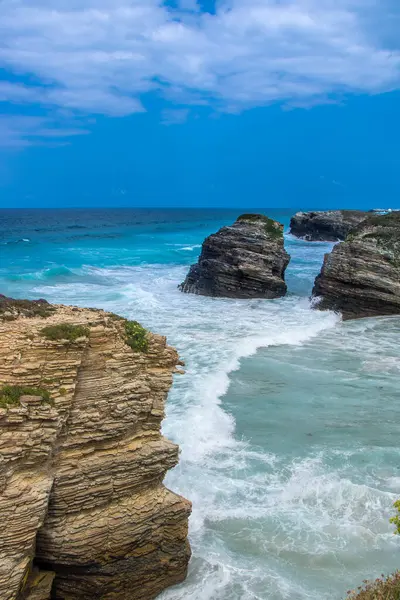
[(361, 276), (83, 509), (244, 260), (325, 226), (11, 309)]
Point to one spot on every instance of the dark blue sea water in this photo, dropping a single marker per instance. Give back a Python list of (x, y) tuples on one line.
[(287, 418)]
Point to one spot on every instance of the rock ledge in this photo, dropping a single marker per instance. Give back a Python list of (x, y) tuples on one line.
[(325, 226)]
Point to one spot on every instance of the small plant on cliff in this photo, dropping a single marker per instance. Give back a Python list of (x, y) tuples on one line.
[(65, 331), (11, 394), (396, 519), (136, 336), (383, 588), (11, 309), (271, 228)]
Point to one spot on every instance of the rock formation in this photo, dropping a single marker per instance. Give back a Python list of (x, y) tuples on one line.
[(84, 513), (361, 276), (325, 226), (245, 260)]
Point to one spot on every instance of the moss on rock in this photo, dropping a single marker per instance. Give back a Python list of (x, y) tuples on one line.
[(271, 227)]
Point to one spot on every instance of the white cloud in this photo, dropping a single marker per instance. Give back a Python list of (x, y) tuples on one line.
[(102, 56)]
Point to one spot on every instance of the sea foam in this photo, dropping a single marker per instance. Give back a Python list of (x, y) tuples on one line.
[(301, 517)]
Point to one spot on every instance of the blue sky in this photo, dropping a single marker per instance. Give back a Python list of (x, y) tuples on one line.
[(184, 103)]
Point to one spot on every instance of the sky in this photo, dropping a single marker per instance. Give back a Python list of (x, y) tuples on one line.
[(270, 103)]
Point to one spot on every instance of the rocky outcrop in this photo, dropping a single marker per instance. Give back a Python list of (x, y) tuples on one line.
[(325, 226), (361, 276), (245, 260), (84, 513)]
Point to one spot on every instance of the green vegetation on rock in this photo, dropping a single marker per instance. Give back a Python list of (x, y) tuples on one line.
[(383, 231), (396, 519), (388, 240), (390, 220), (382, 588), (11, 309), (136, 336), (65, 331), (11, 394), (271, 227)]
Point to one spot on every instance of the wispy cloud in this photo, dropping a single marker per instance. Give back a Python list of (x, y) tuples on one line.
[(102, 56), (174, 116), (21, 131)]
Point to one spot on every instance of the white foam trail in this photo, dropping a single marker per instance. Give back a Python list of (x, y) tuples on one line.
[(298, 513)]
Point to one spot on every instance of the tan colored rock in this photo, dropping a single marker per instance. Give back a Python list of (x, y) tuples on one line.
[(81, 493), (39, 585)]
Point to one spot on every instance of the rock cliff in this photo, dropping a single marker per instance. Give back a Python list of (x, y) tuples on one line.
[(245, 260), (328, 226), (361, 276), (84, 513)]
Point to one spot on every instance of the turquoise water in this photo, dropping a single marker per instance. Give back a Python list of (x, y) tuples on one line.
[(287, 418)]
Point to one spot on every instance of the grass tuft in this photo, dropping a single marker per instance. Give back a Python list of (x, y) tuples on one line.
[(65, 331), (11, 394)]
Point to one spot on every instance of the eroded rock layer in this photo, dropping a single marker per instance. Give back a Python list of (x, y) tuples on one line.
[(328, 226), (83, 509), (245, 260), (361, 276)]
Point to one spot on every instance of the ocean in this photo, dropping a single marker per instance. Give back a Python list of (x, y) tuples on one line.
[(287, 418)]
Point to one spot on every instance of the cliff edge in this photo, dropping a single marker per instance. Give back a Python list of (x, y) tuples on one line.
[(85, 514), (245, 260), (325, 225)]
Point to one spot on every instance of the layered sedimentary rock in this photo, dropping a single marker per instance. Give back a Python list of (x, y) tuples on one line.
[(328, 226), (245, 260), (84, 513), (361, 276)]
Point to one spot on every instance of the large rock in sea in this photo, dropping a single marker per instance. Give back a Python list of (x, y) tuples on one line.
[(84, 512), (325, 226), (361, 276), (245, 260)]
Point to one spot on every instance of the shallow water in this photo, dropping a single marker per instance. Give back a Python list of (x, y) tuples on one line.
[(286, 417)]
